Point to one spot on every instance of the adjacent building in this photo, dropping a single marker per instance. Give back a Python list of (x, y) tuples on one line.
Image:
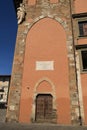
[(49, 76), (4, 88)]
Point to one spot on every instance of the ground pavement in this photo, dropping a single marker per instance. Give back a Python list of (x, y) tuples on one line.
[(17, 126)]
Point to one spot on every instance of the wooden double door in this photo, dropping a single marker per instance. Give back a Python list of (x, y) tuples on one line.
[(44, 107)]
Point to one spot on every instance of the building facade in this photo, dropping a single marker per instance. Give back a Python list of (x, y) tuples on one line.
[(4, 88), (48, 81)]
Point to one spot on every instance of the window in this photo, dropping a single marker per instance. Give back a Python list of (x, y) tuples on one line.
[(1, 96), (80, 24), (82, 49), (1, 93), (2, 89), (82, 28), (84, 59)]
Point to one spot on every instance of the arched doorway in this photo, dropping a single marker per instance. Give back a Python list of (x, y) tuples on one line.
[(44, 107)]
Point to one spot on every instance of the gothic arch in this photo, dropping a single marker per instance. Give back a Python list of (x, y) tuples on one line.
[(44, 79), (51, 84), (36, 93), (56, 18), (62, 22)]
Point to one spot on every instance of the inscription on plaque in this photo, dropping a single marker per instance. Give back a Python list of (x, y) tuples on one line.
[(44, 65)]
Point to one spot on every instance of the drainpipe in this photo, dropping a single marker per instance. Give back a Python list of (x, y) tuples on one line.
[(80, 117)]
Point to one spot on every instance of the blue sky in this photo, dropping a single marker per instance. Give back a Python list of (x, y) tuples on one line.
[(8, 31)]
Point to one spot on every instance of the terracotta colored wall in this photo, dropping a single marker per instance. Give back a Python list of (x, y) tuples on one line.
[(84, 92), (80, 6), (82, 41), (46, 41)]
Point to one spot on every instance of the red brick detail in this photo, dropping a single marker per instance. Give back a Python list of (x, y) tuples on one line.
[(54, 1), (31, 2)]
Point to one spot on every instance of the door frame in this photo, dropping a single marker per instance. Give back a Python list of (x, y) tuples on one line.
[(43, 96), (53, 93)]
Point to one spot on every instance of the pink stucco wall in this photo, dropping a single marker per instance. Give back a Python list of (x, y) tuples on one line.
[(82, 41), (80, 6), (46, 41), (84, 93)]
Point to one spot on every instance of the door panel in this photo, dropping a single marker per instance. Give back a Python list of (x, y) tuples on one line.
[(43, 107)]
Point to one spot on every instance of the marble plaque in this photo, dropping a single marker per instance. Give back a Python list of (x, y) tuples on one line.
[(44, 65)]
